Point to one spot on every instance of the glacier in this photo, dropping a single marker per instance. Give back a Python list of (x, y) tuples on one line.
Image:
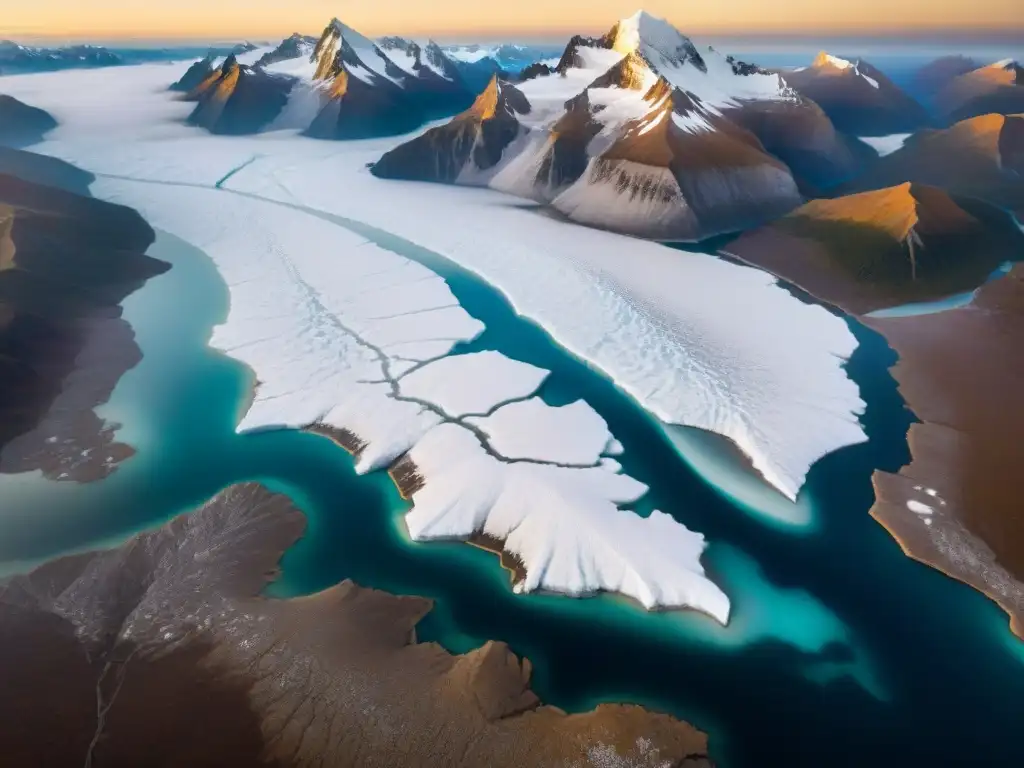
[(695, 340), (310, 313)]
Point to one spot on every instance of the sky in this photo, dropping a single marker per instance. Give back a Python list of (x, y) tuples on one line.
[(472, 19)]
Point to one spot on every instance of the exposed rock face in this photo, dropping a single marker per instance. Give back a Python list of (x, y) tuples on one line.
[(858, 98), (294, 46), (680, 173), (981, 157), (195, 75), (469, 148), (997, 88), (885, 248), (66, 264), (956, 506), (383, 89), (236, 100), (174, 616), (22, 125)]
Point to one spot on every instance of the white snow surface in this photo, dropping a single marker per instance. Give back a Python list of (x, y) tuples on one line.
[(564, 524), (695, 340), (463, 385), (919, 508), (886, 145), (251, 57), (569, 434), (663, 46)]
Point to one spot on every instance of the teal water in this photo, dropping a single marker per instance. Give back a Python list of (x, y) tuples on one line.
[(939, 305), (841, 651)]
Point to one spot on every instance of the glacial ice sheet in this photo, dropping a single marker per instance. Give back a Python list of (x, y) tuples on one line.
[(697, 341)]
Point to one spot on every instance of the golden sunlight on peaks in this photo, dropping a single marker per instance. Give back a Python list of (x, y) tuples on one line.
[(110, 19)]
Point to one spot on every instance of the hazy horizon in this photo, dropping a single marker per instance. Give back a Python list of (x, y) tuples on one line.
[(185, 21)]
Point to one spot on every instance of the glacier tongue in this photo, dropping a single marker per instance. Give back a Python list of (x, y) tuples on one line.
[(316, 311)]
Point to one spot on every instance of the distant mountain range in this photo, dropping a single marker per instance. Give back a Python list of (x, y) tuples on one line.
[(23, 59), (340, 85)]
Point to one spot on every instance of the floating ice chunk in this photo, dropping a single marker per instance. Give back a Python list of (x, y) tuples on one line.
[(563, 523), (614, 448), (919, 508), (570, 434), (931, 492), (474, 383)]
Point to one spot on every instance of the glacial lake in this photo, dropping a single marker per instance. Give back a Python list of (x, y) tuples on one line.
[(840, 651)]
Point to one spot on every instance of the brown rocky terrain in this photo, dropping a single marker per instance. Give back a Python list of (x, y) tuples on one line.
[(333, 679), (982, 157), (885, 248), (960, 371), (66, 263), (957, 505)]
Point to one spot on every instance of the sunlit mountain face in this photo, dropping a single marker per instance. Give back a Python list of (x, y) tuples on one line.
[(511, 386)]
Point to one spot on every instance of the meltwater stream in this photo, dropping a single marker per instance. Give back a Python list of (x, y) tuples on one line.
[(841, 651)]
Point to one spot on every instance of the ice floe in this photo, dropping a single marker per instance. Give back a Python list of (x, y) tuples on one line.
[(462, 385), (563, 524), (570, 434)]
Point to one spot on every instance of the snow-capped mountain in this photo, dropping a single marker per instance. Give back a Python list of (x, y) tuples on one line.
[(857, 97), (295, 46), (376, 89), (641, 132), (340, 85)]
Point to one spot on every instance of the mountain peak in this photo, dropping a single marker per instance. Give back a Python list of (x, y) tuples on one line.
[(826, 60), (644, 30), (498, 98)]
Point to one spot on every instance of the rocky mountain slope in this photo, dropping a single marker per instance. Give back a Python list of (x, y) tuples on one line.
[(235, 99), (885, 248), (372, 89), (469, 148), (602, 94), (858, 98), (21, 124), (66, 264), (997, 88), (982, 157)]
